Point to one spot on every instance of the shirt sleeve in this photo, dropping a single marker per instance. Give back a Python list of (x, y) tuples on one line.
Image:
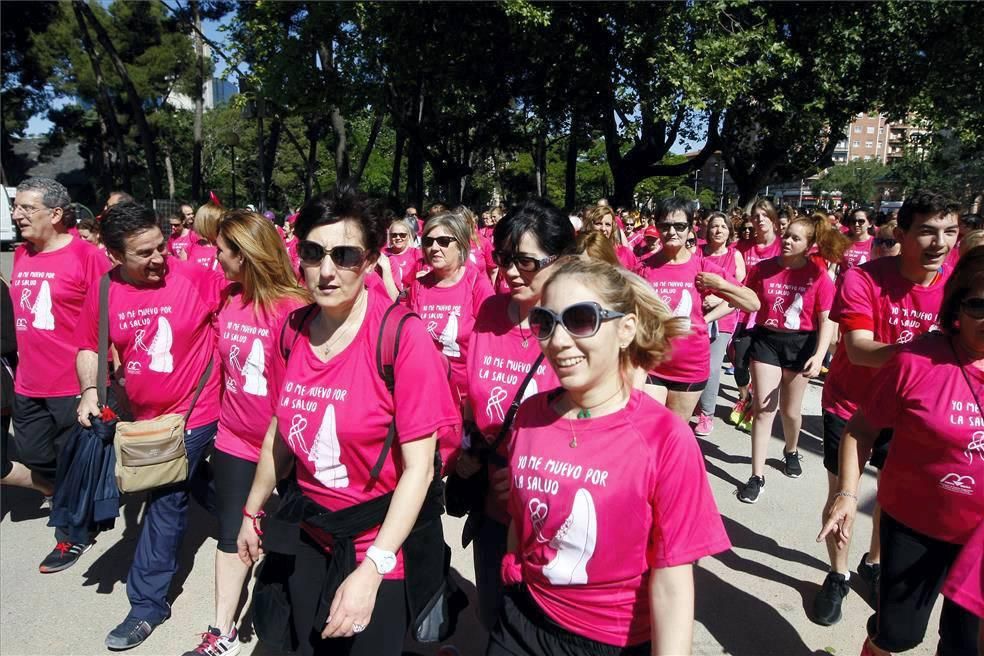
[(824, 299), (853, 301), (883, 404), (686, 522), (87, 328)]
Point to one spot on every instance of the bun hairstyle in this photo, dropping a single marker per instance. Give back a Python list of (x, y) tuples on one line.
[(829, 240), (623, 291)]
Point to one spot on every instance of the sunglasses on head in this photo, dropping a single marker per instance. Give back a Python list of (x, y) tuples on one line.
[(443, 242), (679, 227), (884, 242), (973, 307), (526, 263), (579, 320), (312, 254)]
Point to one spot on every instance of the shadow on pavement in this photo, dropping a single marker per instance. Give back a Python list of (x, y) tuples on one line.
[(20, 503), (743, 537)]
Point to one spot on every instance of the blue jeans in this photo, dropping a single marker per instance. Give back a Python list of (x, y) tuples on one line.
[(708, 398), (164, 524)]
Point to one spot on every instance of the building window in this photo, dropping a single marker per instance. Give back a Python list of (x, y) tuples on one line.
[(879, 145), (856, 143), (869, 143), (871, 129), (857, 129), (867, 157), (855, 158), (881, 131)]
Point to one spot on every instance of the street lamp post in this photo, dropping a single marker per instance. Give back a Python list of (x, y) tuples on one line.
[(721, 199), (232, 140), (696, 177)]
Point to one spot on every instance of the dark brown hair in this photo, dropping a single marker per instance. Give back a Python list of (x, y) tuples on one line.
[(968, 274)]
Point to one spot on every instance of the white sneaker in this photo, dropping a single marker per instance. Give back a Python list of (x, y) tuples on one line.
[(575, 543)]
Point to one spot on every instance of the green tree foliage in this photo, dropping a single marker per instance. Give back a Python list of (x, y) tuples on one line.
[(858, 182)]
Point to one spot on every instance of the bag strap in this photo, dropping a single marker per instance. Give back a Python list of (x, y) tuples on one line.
[(102, 365), (198, 390), (514, 408), (304, 314)]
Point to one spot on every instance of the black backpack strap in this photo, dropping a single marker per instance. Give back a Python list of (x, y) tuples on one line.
[(514, 408), (387, 348), (103, 350), (304, 313)]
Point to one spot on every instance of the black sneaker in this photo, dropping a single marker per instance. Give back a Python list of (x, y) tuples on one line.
[(792, 468), (750, 491), (827, 603), (63, 556), (870, 574), (131, 632)]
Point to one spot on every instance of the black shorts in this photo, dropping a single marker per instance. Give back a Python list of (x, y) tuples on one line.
[(785, 350), (41, 427), (833, 430), (233, 478), (675, 386)]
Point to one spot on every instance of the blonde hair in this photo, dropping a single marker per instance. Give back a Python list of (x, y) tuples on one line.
[(207, 220), (770, 211), (829, 240), (457, 226), (597, 246), (623, 291), (267, 275), (597, 213), (469, 219)]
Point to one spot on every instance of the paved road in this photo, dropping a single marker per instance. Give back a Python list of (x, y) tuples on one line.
[(751, 601)]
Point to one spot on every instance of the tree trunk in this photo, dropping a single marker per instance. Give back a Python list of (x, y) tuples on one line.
[(146, 134), (540, 163), (415, 177), (270, 157), (260, 154), (170, 174), (196, 151), (570, 170), (105, 103), (311, 162), (343, 168), (377, 124), (401, 140)]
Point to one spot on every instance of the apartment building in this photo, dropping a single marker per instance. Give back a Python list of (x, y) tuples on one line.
[(873, 137)]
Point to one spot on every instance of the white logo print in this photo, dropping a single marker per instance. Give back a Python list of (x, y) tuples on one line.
[(133, 367), (864, 258), (958, 484), (684, 307), (530, 390), (976, 444), (905, 337), (22, 324), (493, 409), (449, 338), (161, 359), (43, 318), (326, 453), (295, 436), (432, 330), (575, 543), (792, 315), (254, 382), (779, 305)]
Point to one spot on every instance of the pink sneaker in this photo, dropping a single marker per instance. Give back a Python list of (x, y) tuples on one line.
[(705, 424)]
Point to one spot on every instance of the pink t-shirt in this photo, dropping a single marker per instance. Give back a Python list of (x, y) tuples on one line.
[(594, 520), (626, 257), (755, 253), (792, 299), (690, 354), (402, 264), (727, 261), (177, 245), (480, 255), (875, 297), (965, 584), (335, 415), (857, 254), (931, 478), (165, 336), (203, 255), (247, 339), (48, 290), (449, 315)]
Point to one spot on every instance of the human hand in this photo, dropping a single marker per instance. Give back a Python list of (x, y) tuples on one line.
[(88, 407), (248, 543), (706, 281), (353, 603), (839, 520), (812, 367), (502, 484)]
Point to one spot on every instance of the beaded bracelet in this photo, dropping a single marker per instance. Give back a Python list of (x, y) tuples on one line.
[(259, 515)]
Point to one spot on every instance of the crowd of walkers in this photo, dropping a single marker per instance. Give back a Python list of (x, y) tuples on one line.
[(342, 377)]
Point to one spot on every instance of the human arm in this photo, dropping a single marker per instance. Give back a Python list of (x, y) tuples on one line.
[(273, 465), (855, 449), (87, 367), (671, 601), (740, 269), (385, 269), (864, 350), (356, 596), (722, 309), (737, 295), (826, 333)]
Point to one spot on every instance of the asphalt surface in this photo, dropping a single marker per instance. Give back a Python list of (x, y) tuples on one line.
[(751, 601)]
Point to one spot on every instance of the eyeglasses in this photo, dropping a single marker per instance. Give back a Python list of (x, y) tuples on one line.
[(972, 307), (857, 221), (884, 242), (28, 210), (527, 263), (312, 254), (399, 235), (746, 229), (579, 320), (443, 242), (679, 227)]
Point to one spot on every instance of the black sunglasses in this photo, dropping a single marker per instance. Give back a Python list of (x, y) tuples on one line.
[(443, 242), (399, 235), (679, 227), (312, 254), (746, 229), (884, 242), (690, 243), (972, 307), (525, 263), (579, 320), (857, 221)]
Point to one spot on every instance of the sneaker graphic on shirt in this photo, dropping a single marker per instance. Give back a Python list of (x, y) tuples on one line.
[(449, 338), (864, 258), (43, 318), (254, 382), (792, 315), (575, 543), (683, 308), (159, 350), (326, 453), (530, 390)]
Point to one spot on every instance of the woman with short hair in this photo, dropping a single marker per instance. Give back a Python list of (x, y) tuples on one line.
[(202, 249)]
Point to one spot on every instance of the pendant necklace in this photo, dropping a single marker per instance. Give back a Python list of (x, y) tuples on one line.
[(526, 338), (585, 413)]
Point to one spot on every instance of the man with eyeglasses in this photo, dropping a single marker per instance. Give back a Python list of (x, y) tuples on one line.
[(52, 274), (879, 306)]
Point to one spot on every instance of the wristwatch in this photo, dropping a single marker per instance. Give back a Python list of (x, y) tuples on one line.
[(385, 561)]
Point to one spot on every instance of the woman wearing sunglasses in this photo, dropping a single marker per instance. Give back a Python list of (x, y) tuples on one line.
[(262, 292), (884, 243), (791, 335), (333, 416), (930, 393), (610, 503), (718, 251), (402, 255), (683, 279), (528, 242), (449, 296), (858, 223)]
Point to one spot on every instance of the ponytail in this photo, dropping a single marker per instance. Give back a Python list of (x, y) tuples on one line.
[(829, 240)]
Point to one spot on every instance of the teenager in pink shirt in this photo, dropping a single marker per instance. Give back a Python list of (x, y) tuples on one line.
[(720, 252), (930, 394), (790, 338), (161, 323), (682, 279), (528, 242), (52, 273), (600, 218), (334, 412), (448, 298), (202, 249), (262, 292), (610, 503)]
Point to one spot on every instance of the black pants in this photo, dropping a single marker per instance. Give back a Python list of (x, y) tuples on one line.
[(913, 569), (233, 477), (40, 429), (524, 630), (386, 630), (742, 341)]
